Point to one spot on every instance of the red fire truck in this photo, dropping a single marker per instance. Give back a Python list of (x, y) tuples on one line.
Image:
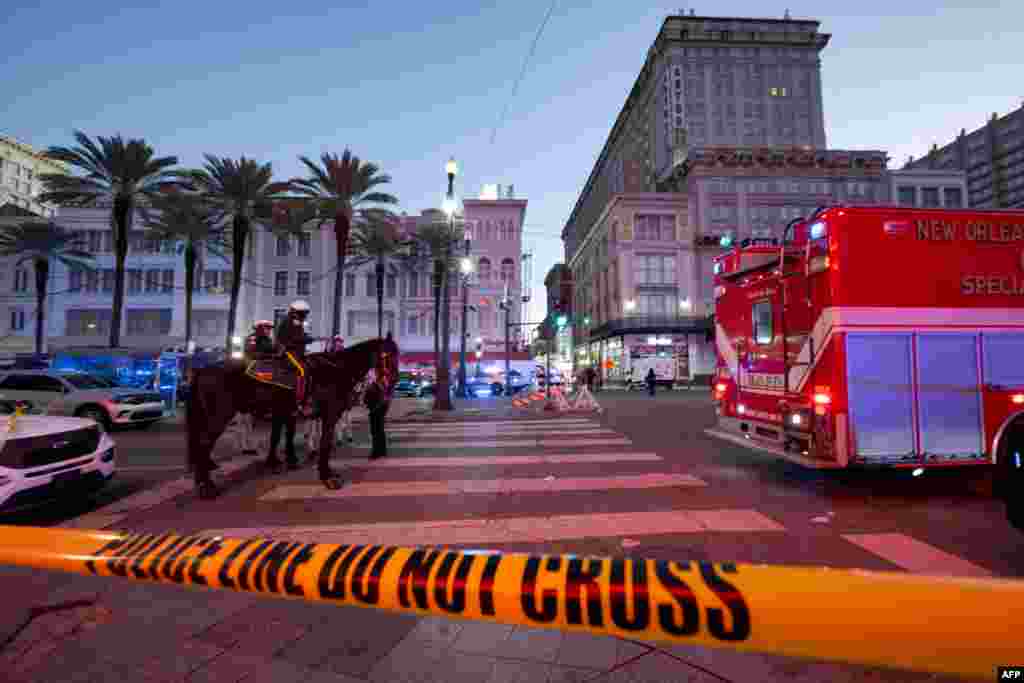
[(889, 337)]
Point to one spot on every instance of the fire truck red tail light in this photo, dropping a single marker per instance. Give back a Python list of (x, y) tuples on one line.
[(1017, 398), (822, 399), (720, 388)]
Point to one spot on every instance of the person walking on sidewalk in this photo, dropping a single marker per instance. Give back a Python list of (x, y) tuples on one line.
[(651, 380)]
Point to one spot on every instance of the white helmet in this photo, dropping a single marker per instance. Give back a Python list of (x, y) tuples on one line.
[(299, 306)]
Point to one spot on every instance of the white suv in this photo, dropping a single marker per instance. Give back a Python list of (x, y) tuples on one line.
[(76, 394)]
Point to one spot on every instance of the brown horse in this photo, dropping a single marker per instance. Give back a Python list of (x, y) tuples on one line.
[(221, 392)]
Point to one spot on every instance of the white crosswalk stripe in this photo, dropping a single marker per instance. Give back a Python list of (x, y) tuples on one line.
[(514, 446)]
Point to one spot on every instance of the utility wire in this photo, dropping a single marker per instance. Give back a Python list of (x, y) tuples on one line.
[(522, 73)]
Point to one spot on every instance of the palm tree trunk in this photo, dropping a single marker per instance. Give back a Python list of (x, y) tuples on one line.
[(380, 297), (122, 226), (42, 270), (341, 232), (239, 235), (190, 278)]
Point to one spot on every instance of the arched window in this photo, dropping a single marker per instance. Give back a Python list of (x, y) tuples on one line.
[(508, 271), (484, 269)]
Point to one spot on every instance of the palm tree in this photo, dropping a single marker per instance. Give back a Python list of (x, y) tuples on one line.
[(242, 190), (439, 238), (342, 188), (126, 174), (42, 243), (191, 220), (377, 240)]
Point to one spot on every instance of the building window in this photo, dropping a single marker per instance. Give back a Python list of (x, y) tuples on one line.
[(412, 324), (371, 284), (168, 280), (508, 271), (414, 284), (302, 283), (350, 284), (283, 245), (279, 315), (21, 280), (777, 92), (655, 305), (762, 317), (392, 286), (907, 195), (86, 323), (17, 320), (281, 283), (149, 322), (954, 197), (930, 197), (107, 283), (134, 281), (226, 281), (92, 281), (655, 227), (153, 281), (655, 270), (210, 323), (304, 244), (484, 269)]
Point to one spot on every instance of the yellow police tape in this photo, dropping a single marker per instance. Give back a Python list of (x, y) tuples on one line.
[(942, 625)]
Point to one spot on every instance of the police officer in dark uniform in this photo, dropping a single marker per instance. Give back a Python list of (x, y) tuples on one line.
[(292, 338), (260, 342)]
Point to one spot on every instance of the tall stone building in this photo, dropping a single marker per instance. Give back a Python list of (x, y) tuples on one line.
[(20, 168), (992, 157)]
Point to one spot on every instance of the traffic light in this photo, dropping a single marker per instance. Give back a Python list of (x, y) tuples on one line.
[(561, 320), (726, 241)]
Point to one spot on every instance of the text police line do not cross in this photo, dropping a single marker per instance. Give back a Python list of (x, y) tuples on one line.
[(871, 618), (641, 594)]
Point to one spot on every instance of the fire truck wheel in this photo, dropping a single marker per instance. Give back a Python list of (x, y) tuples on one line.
[(1010, 475)]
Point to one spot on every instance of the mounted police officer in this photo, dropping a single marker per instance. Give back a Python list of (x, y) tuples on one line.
[(291, 338), (259, 342)]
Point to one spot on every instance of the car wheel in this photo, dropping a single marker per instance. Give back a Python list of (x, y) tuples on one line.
[(97, 415)]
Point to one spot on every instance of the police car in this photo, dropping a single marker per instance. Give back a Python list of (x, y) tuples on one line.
[(47, 457)]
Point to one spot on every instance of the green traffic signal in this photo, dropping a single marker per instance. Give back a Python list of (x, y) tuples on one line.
[(726, 241), (561, 320), (586, 321)]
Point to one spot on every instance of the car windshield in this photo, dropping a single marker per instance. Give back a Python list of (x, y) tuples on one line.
[(82, 381), (406, 377)]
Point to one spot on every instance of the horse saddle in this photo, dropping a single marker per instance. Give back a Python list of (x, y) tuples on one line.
[(279, 372)]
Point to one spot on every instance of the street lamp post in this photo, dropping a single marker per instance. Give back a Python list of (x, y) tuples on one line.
[(442, 399), (467, 269)]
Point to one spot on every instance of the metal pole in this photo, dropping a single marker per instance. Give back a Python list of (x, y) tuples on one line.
[(508, 347), (463, 390), (547, 379)]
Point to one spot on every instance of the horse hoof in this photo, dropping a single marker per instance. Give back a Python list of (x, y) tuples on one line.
[(333, 483), (208, 490)]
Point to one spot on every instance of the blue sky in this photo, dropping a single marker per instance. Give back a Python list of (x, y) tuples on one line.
[(409, 84)]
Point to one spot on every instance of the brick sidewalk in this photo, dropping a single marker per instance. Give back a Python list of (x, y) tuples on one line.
[(157, 633)]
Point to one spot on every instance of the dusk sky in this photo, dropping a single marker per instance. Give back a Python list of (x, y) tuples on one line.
[(407, 85)]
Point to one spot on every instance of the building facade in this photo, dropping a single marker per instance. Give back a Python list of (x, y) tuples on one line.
[(992, 157), (929, 188), (278, 269), (708, 81), (20, 168)]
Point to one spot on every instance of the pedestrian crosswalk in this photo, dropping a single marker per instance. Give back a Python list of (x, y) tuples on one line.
[(540, 481)]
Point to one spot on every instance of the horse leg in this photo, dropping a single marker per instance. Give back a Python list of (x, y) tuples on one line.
[(247, 433), (329, 420), (289, 446), (273, 462)]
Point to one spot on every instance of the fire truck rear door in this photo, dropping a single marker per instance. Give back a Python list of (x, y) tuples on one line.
[(880, 385), (949, 396)]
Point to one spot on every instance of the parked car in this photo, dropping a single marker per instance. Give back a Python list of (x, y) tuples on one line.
[(77, 394), (49, 457), (481, 386), (428, 386), (409, 384), (517, 383)]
